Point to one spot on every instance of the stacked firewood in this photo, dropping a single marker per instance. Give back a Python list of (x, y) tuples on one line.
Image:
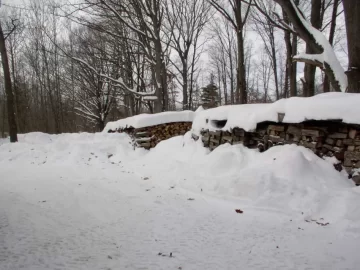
[(325, 138), (149, 137)]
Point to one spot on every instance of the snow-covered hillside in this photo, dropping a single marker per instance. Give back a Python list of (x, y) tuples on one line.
[(89, 201)]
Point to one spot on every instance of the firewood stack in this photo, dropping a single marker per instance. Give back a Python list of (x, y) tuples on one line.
[(324, 138), (149, 137)]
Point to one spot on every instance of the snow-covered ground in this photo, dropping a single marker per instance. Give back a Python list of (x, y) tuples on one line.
[(89, 201)]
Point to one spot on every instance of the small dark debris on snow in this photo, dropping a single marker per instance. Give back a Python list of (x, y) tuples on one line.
[(322, 224), (148, 189), (274, 158), (109, 257), (164, 255), (277, 246), (239, 211), (172, 187), (191, 199), (43, 201), (110, 155), (146, 178)]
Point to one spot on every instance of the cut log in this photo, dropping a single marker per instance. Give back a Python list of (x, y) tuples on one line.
[(276, 128), (352, 155), (293, 130), (352, 133), (338, 135), (311, 132)]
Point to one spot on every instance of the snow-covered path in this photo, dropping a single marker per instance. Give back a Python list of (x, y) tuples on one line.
[(104, 215)]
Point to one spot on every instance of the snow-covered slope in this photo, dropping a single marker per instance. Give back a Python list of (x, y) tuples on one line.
[(89, 201), (147, 120), (328, 106)]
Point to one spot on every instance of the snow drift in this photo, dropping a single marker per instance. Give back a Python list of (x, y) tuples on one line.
[(289, 178)]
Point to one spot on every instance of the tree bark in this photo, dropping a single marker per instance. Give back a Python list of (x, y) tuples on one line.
[(8, 89), (293, 74), (326, 85), (288, 71), (241, 93), (352, 21), (310, 70)]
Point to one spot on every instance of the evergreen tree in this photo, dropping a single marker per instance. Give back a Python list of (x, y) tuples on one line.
[(210, 95)]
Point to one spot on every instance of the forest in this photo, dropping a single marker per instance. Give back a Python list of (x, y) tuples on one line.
[(72, 66)]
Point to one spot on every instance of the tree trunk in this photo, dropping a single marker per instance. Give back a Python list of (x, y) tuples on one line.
[(326, 85), (8, 89), (288, 70), (310, 70), (185, 85), (293, 74), (352, 21), (231, 73), (241, 93), (101, 125)]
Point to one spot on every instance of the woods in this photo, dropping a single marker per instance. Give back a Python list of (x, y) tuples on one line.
[(73, 67)]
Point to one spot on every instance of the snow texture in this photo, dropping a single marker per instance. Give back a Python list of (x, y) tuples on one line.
[(147, 120), (89, 201), (328, 106)]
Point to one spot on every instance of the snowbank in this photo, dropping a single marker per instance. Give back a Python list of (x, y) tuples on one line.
[(89, 201), (328, 106), (147, 120), (289, 178)]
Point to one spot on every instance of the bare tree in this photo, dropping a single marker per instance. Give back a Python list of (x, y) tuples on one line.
[(267, 31), (186, 20), (237, 17), (8, 86), (323, 55)]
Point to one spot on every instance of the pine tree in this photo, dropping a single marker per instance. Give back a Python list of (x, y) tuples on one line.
[(210, 95)]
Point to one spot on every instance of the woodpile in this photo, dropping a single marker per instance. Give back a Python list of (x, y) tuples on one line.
[(324, 138), (149, 137)]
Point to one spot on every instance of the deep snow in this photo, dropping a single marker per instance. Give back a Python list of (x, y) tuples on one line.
[(89, 201), (146, 120), (327, 106)]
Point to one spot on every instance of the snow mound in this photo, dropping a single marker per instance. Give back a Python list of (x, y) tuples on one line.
[(327, 106), (288, 178), (147, 120), (69, 149)]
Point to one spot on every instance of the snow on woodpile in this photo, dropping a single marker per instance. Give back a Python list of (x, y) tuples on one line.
[(328, 106), (147, 120)]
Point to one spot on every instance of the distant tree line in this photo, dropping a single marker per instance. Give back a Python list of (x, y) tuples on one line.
[(74, 67)]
